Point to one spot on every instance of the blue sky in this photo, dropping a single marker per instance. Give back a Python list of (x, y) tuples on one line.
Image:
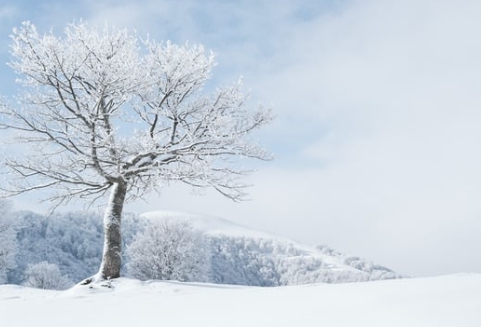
[(377, 138)]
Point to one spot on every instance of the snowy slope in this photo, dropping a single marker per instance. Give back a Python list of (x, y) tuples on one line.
[(237, 254), (249, 257), (447, 301), (208, 224)]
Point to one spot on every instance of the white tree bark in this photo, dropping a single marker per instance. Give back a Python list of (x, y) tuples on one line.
[(112, 253)]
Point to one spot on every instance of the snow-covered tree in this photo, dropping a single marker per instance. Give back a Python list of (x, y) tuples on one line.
[(46, 276), (242, 261), (8, 241), (104, 111), (72, 241), (169, 250)]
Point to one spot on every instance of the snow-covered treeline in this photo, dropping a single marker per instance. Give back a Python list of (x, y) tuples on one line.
[(72, 241), (274, 262), (210, 252), (8, 242)]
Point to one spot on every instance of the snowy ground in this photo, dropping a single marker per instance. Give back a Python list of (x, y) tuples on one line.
[(453, 300)]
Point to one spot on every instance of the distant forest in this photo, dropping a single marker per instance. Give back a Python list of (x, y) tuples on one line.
[(72, 244)]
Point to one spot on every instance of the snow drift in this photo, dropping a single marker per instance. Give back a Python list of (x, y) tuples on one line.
[(445, 301)]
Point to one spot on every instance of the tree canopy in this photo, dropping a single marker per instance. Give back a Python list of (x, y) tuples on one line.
[(102, 105), (104, 110)]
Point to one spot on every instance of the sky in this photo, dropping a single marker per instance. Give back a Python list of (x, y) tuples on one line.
[(376, 138)]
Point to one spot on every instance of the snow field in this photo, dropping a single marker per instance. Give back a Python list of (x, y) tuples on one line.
[(453, 300)]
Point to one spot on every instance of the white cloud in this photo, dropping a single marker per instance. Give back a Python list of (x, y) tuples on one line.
[(394, 89), (7, 11)]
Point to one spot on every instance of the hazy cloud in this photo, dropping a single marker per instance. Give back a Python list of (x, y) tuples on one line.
[(7, 11), (394, 89)]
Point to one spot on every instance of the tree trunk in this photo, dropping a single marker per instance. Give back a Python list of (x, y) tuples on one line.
[(112, 254)]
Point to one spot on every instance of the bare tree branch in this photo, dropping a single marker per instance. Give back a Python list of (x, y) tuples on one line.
[(102, 113)]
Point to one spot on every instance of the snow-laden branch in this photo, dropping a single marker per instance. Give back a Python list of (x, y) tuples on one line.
[(101, 107)]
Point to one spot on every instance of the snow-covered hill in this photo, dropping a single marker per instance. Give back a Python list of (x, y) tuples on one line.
[(244, 256), (447, 301), (237, 254)]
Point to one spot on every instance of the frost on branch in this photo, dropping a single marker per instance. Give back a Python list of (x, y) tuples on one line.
[(46, 276), (169, 250), (104, 111), (101, 106)]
